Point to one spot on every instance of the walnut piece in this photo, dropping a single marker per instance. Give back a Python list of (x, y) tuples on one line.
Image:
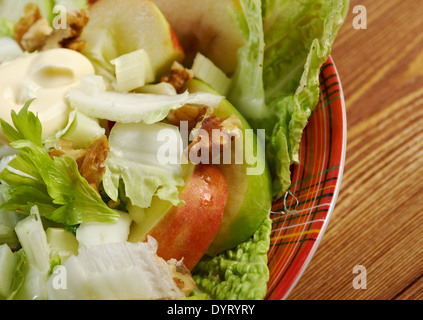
[(68, 37), (33, 32), (93, 165), (190, 112), (182, 276), (213, 135), (32, 29), (65, 148), (178, 76), (35, 37), (91, 162)]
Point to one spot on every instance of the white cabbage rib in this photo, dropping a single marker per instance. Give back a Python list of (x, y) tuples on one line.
[(115, 271), (92, 99)]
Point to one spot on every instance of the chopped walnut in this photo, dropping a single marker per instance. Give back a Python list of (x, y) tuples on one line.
[(232, 125), (93, 165), (65, 148), (32, 29), (181, 276), (68, 37), (31, 15), (190, 113), (213, 135), (91, 162), (178, 76), (35, 37)]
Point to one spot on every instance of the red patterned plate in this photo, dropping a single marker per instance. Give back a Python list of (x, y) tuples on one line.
[(300, 219)]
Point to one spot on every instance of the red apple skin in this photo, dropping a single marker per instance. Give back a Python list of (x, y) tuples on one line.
[(176, 44), (187, 230)]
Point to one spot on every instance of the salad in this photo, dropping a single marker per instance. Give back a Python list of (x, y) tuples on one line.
[(143, 141)]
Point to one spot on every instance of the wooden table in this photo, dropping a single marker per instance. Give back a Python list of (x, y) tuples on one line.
[(378, 219)]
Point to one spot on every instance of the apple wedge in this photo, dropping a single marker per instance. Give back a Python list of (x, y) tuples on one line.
[(249, 195), (121, 27), (186, 231), (206, 26)]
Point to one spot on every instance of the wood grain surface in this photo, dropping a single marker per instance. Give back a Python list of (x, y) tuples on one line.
[(378, 219)]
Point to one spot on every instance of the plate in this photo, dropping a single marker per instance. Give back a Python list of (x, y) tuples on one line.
[(302, 216)]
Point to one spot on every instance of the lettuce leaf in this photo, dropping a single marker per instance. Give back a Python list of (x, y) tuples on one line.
[(247, 91), (240, 273), (297, 37), (147, 158), (54, 185), (6, 28)]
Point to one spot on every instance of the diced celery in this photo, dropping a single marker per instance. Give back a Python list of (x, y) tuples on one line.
[(7, 264), (62, 243), (205, 70), (34, 244), (133, 70), (94, 233), (82, 130), (34, 285), (34, 240)]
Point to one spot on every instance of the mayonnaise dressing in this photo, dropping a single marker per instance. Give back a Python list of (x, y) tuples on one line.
[(45, 76)]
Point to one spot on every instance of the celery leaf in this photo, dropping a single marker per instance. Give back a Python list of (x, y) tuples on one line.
[(53, 184)]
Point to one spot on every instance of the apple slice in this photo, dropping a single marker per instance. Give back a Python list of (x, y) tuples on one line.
[(14, 10), (133, 25), (249, 195), (186, 231), (206, 26)]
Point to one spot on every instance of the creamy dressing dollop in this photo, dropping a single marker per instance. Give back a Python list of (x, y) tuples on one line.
[(45, 76)]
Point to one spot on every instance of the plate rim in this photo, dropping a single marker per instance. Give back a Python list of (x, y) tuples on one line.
[(333, 202)]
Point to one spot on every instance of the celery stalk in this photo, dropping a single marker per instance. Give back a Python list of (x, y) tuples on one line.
[(7, 264), (34, 240), (34, 244), (62, 243), (82, 130), (205, 70), (133, 70)]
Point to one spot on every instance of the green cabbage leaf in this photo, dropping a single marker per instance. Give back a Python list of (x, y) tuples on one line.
[(240, 273), (276, 84)]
